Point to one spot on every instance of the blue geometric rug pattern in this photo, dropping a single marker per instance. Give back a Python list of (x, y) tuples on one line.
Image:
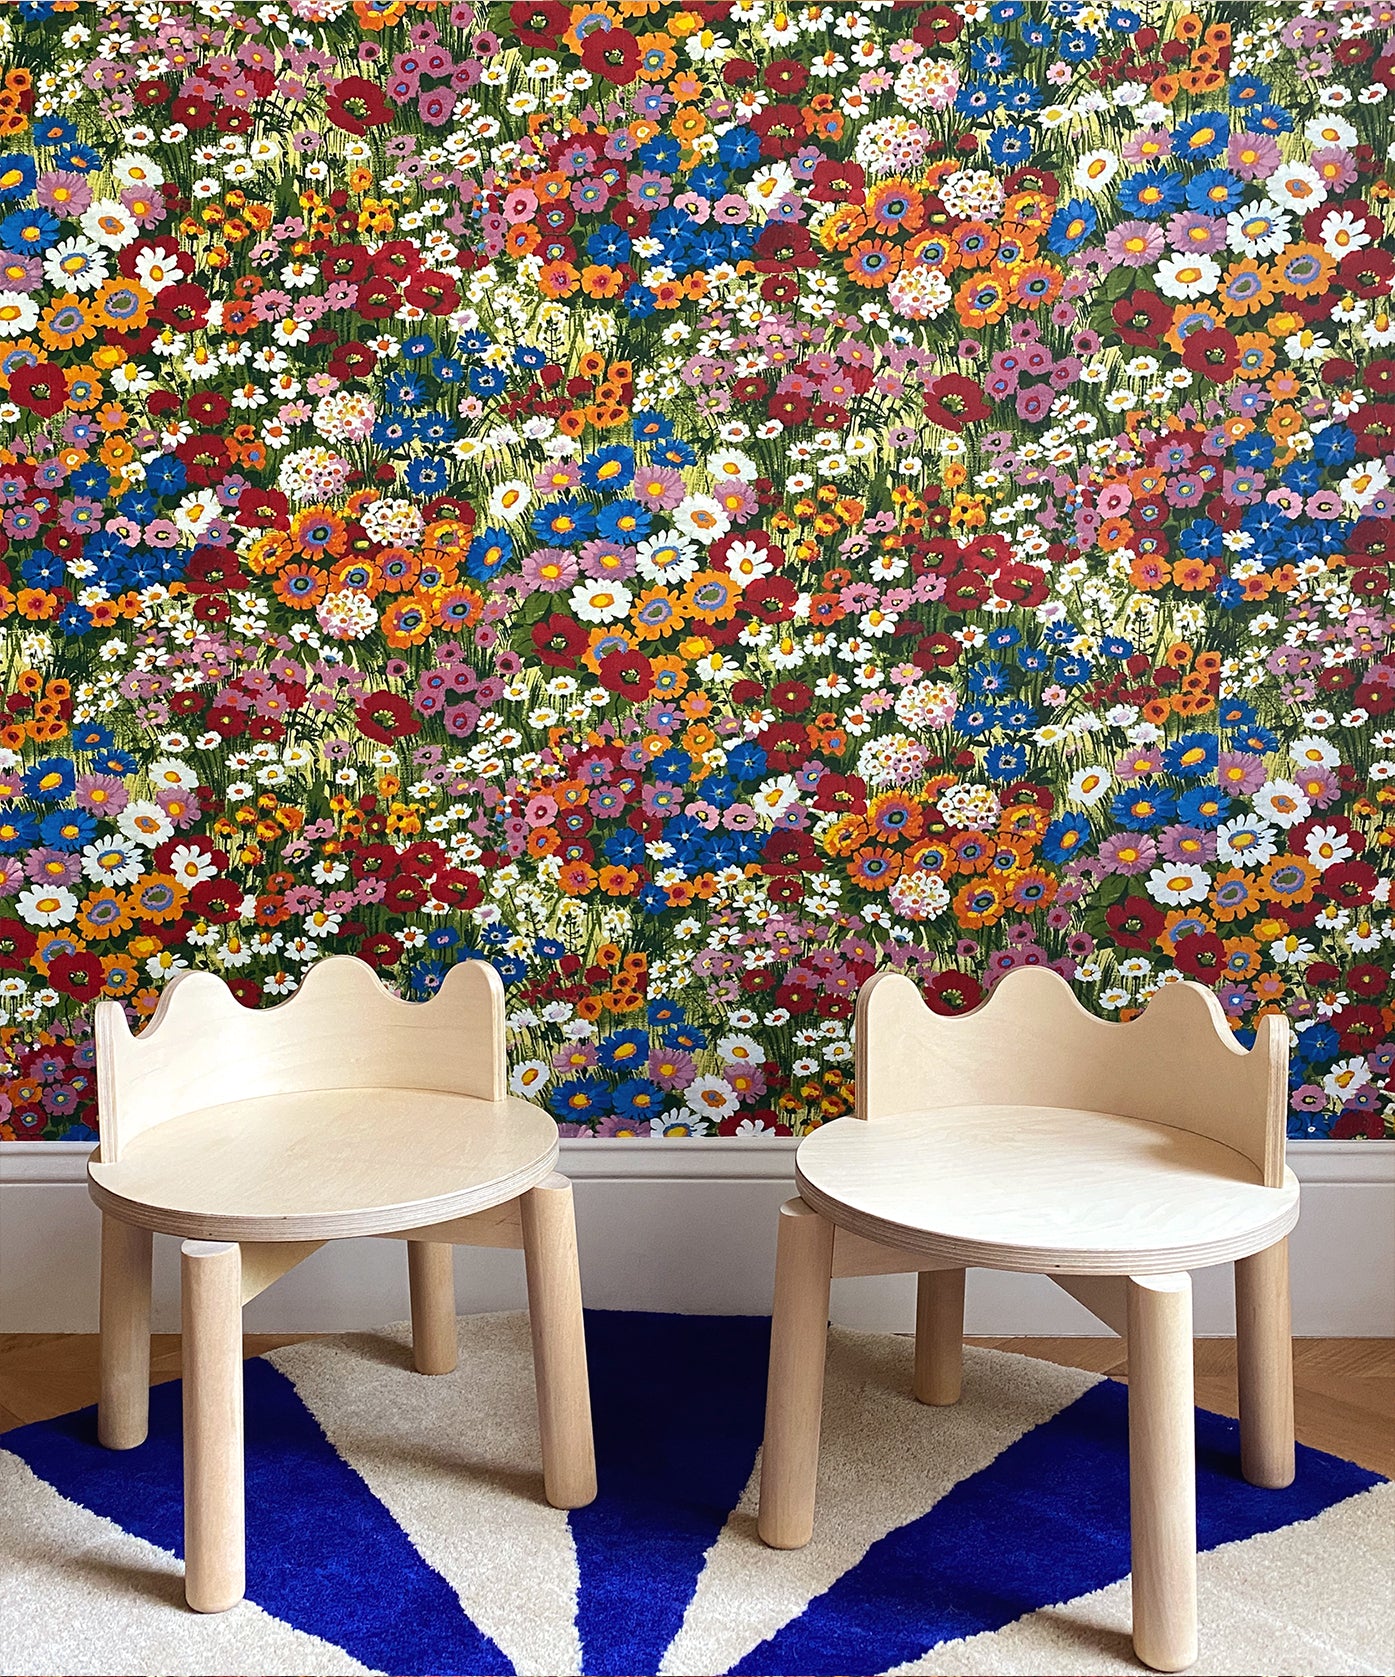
[(678, 1405)]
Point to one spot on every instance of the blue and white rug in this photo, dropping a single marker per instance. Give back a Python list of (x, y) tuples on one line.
[(396, 1524)]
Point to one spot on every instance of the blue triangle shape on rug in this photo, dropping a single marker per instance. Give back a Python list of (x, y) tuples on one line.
[(1047, 1520), (323, 1554), (678, 1404)]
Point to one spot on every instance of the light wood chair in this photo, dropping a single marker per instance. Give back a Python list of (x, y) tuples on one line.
[(256, 1136), (1030, 1135)]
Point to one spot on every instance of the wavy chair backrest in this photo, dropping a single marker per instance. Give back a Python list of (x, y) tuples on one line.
[(340, 1030), (1031, 1043)]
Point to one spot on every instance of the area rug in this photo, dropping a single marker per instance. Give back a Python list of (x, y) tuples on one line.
[(396, 1524)]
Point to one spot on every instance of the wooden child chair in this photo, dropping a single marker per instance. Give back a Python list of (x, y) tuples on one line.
[(1030, 1135), (256, 1136)]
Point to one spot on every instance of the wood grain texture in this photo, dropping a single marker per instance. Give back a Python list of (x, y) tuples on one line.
[(1162, 1470), (1030, 1043), (559, 1344), (215, 1569), (123, 1406), (1042, 1189), (1264, 1344), (340, 1030), (794, 1387), (431, 1283), (320, 1165), (854, 1255), (938, 1375), (500, 1226)]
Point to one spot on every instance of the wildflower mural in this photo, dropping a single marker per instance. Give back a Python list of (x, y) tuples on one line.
[(694, 504)]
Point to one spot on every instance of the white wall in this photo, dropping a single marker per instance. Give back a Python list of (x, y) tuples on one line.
[(683, 1226)]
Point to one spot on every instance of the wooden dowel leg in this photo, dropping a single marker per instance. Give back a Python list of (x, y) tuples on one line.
[(214, 1510), (559, 1343), (1264, 1350), (794, 1393), (123, 1406), (431, 1277), (1162, 1470), (939, 1336)]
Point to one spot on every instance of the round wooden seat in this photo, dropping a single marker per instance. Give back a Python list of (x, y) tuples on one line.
[(1040, 1189), (324, 1164)]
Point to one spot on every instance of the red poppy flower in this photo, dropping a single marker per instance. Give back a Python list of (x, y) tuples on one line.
[(936, 651), (951, 991), (1135, 922), (183, 306), (458, 889), (1368, 272), (218, 900), (213, 570), (559, 641), (781, 246), (540, 24), (385, 717), (1142, 318), (789, 76), (1201, 955), (357, 104), (613, 54), (77, 975), (954, 401), (835, 182), (790, 851), (435, 292), (41, 387), (1214, 355), (630, 673)]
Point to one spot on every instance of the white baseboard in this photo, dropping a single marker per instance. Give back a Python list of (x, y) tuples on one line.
[(685, 1226)]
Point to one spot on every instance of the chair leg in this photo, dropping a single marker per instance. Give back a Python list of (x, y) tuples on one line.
[(1264, 1348), (1162, 1470), (939, 1336), (431, 1278), (794, 1393), (123, 1406), (559, 1343), (214, 1505)]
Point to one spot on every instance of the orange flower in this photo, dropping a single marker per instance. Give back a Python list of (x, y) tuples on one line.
[(981, 300), (1148, 573), (618, 882), (657, 58), (1034, 284), (558, 279), (576, 878), (408, 620), (976, 244), (317, 531), (980, 902), (1193, 575)]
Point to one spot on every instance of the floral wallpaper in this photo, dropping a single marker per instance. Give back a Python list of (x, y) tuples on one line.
[(694, 504)]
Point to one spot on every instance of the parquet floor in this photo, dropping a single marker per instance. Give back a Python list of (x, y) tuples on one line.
[(1344, 1389)]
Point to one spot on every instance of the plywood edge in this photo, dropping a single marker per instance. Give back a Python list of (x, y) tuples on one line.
[(855, 1254), (319, 1225), (111, 1030), (967, 1253)]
